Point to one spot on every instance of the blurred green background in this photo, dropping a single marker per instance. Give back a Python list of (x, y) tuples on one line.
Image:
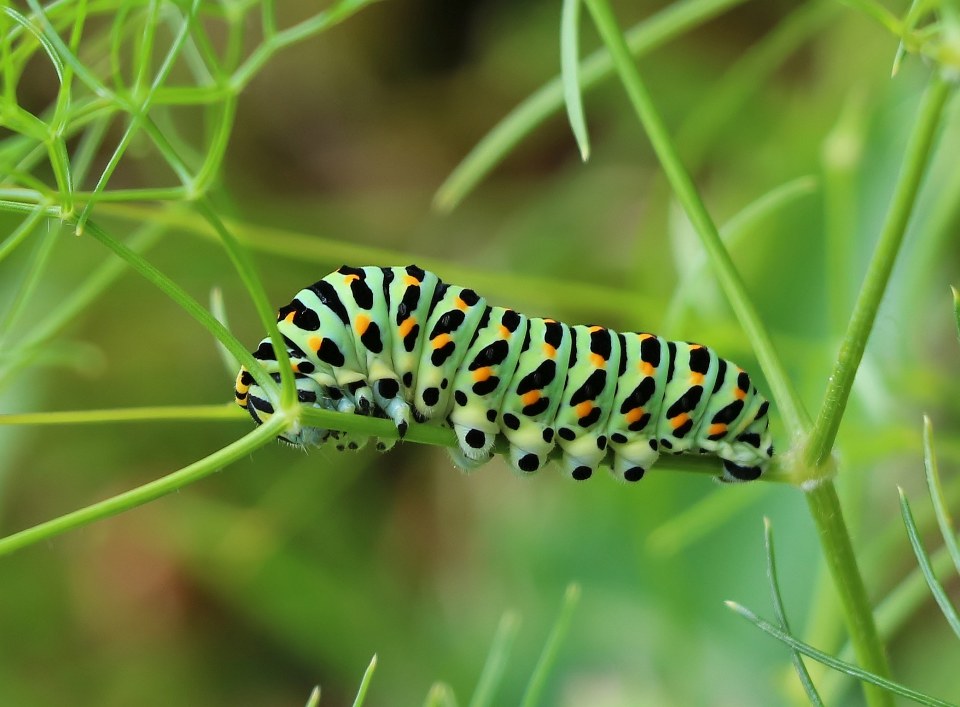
[(293, 568)]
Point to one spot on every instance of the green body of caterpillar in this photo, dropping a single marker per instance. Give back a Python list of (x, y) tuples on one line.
[(400, 343)]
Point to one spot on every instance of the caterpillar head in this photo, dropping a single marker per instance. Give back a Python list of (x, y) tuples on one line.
[(252, 398)]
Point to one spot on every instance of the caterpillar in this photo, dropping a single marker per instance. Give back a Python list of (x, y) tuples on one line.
[(399, 343)]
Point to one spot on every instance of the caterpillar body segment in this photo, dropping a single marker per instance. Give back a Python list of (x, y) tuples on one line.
[(401, 344)]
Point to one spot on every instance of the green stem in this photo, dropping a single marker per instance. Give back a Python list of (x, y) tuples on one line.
[(838, 552), (148, 492), (875, 282), (822, 498), (788, 402), (173, 413)]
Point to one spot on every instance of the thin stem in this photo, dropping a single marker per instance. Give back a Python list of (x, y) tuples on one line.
[(788, 402), (781, 614), (570, 72), (497, 659), (877, 682), (854, 342), (548, 657), (175, 413), (148, 492), (838, 552), (365, 683)]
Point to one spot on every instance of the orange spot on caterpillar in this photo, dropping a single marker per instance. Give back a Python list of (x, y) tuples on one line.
[(482, 374), (679, 420), (584, 408), (634, 415), (598, 361), (644, 337), (530, 397), (739, 394), (504, 332), (646, 368), (549, 351), (406, 326), (696, 378), (361, 323), (315, 342), (595, 328), (717, 428), (289, 317), (460, 304), (347, 279), (438, 342), (411, 281)]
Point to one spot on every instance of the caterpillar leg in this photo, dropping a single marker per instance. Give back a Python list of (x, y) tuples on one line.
[(526, 461), (631, 460), (735, 473), (347, 441), (386, 393), (363, 398), (475, 444), (626, 470), (577, 468), (462, 461), (582, 455)]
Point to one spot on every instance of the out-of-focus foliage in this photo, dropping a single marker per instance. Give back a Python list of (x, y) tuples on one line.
[(290, 569)]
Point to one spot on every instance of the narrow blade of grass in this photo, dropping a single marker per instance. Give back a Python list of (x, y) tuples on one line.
[(219, 311), (733, 232), (937, 496), (365, 683), (911, 18), (699, 519), (852, 670), (644, 37), (31, 280), (440, 695), (22, 231), (894, 612), (538, 680), (781, 615), (496, 663), (570, 74), (725, 100), (314, 699), (956, 307), (923, 559), (878, 12), (48, 46)]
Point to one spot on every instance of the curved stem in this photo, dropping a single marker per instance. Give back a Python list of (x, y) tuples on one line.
[(854, 342), (148, 492)]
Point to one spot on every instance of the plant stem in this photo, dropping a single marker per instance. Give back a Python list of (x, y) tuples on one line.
[(148, 492), (785, 396), (838, 552), (854, 342), (821, 497)]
